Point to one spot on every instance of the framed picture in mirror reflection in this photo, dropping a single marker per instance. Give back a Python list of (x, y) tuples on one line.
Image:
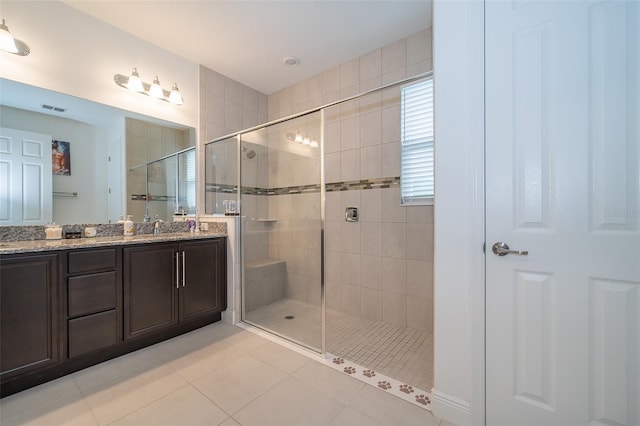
[(61, 158)]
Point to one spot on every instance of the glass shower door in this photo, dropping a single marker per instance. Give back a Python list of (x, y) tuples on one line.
[(281, 223)]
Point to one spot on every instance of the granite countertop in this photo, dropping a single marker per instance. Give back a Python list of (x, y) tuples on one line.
[(33, 246)]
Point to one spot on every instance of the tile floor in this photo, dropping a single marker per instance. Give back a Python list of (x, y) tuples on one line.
[(217, 375), (402, 353)]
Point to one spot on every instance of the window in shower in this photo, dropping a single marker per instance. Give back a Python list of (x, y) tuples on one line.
[(417, 137)]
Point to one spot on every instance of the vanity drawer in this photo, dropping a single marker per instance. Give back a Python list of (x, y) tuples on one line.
[(92, 332), (92, 260), (92, 293)]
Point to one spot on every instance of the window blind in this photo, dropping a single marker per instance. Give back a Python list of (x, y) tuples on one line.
[(417, 169)]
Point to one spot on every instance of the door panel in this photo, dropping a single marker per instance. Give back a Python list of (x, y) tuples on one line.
[(562, 176), (25, 178)]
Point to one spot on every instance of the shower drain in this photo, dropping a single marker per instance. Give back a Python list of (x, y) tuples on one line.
[(289, 317)]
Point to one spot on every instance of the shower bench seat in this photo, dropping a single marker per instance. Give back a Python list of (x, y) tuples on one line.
[(265, 282)]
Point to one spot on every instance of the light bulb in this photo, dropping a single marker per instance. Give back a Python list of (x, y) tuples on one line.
[(156, 91), (134, 82), (306, 141), (314, 144), (299, 138), (175, 97), (7, 43)]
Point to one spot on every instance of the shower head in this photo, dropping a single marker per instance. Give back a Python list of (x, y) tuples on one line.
[(250, 153)]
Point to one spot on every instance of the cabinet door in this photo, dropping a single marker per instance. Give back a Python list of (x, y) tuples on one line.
[(203, 287), (28, 314), (149, 289)]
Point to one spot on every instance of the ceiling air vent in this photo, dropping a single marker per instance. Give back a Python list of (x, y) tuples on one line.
[(53, 108)]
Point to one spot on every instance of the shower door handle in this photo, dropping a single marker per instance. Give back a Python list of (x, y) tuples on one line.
[(502, 249)]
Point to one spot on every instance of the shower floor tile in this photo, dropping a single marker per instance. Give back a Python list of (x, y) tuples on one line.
[(404, 354)]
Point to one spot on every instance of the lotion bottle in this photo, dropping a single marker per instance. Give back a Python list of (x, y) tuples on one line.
[(128, 226)]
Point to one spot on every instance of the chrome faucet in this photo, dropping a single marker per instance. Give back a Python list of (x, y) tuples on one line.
[(156, 225)]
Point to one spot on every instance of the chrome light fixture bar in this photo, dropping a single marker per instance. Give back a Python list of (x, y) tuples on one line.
[(10, 44), (154, 90)]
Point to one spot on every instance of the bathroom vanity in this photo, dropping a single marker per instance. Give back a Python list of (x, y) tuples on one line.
[(69, 304)]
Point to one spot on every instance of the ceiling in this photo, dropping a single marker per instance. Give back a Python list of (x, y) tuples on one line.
[(247, 40)]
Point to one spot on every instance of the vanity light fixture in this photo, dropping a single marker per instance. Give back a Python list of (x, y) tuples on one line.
[(10, 44), (299, 138), (154, 90)]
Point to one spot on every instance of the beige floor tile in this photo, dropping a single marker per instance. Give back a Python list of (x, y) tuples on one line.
[(280, 357), (108, 371), (351, 417), (230, 422), (109, 402), (290, 402), (443, 422), (214, 333), (70, 411), (239, 383), (329, 381), (184, 407), (192, 365), (390, 410), (37, 397)]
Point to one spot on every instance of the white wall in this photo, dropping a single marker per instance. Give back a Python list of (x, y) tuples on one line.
[(76, 54), (88, 163), (458, 394)]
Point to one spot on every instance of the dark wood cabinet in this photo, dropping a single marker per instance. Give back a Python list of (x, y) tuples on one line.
[(203, 284), (29, 317), (167, 284), (66, 310), (94, 300), (150, 289)]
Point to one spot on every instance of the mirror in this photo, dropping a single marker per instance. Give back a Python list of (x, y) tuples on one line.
[(105, 148)]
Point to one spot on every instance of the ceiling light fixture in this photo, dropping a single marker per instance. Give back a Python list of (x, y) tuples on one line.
[(299, 138), (290, 61), (10, 44), (154, 90)]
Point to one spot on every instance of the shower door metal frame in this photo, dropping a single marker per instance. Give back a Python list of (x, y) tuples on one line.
[(238, 136)]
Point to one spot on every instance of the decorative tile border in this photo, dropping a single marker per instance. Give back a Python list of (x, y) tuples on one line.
[(395, 387), (353, 185)]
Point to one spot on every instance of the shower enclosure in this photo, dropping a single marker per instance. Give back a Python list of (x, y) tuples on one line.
[(297, 266)]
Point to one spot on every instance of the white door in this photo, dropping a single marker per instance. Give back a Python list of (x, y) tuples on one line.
[(114, 177), (25, 178), (562, 182)]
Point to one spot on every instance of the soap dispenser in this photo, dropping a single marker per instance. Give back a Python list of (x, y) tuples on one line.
[(128, 226)]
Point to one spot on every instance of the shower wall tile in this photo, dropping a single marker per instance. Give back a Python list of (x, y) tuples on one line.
[(374, 268), (351, 269), (419, 313), (394, 56), (371, 304), (350, 165), (392, 210), (371, 238), (350, 299), (420, 241), (391, 159), (330, 80), (233, 91), (370, 127), (420, 279), (371, 65), (371, 272), (350, 133), (394, 308), (349, 73), (419, 68), (370, 162), (350, 237), (419, 47), (394, 240), (394, 275), (332, 167)]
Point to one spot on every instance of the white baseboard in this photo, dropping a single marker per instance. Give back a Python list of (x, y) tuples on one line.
[(450, 408)]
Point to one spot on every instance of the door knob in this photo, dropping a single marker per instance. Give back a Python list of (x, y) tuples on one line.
[(502, 249)]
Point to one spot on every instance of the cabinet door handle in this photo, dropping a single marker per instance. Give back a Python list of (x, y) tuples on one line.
[(177, 270), (183, 270)]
